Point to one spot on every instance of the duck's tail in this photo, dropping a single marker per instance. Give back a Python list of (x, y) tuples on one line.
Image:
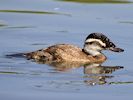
[(20, 55)]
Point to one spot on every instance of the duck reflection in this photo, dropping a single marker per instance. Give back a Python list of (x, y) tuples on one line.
[(94, 74), (99, 74), (62, 66)]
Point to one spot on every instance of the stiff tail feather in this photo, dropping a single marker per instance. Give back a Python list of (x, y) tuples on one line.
[(20, 55)]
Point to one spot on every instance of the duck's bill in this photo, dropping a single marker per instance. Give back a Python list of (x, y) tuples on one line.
[(116, 49)]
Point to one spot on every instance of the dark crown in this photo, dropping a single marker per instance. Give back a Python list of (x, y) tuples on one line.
[(101, 37)]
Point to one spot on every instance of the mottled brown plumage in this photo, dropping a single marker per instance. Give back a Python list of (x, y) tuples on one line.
[(91, 52), (64, 52)]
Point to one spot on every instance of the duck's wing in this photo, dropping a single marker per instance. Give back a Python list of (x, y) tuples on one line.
[(58, 52)]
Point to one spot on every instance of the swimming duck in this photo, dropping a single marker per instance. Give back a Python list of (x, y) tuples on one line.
[(91, 52)]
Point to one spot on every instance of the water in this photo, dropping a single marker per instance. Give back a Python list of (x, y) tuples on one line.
[(27, 26)]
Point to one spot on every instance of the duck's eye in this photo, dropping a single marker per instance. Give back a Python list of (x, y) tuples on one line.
[(90, 43)]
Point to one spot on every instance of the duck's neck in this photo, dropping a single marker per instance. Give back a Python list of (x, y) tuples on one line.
[(91, 52), (97, 56)]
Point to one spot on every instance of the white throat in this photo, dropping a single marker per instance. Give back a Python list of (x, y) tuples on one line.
[(92, 52)]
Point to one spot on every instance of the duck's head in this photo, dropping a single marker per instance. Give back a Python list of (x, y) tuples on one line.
[(96, 42)]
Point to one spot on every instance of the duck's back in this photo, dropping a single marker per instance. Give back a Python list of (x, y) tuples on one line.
[(59, 52)]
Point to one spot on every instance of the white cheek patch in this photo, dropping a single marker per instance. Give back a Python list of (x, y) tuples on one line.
[(93, 50), (93, 47), (97, 40)]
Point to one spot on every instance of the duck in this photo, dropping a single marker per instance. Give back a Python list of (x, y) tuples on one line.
[(91, 52)]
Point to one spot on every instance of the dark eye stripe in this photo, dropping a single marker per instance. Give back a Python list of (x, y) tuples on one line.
[(95, 42), (89, 42)]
